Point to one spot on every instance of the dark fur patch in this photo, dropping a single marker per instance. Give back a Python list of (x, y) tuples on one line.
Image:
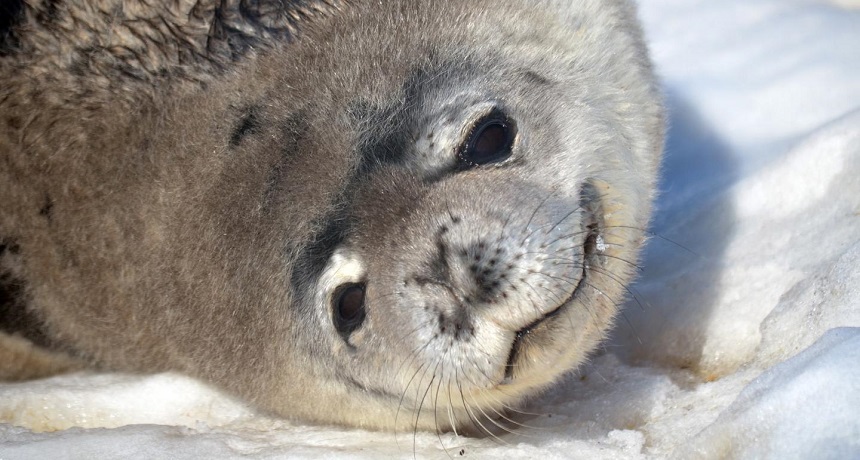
[(334, 227), (15, 317), (242, 25), (389, 131), (386, 147), (536, 78), (47, 210), (313, 258), (50, 12), (11, 14), (384, 139), (294, 130), (390, 136), (249, 124)]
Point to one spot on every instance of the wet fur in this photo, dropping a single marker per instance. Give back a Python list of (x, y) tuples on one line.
[(173, 175)]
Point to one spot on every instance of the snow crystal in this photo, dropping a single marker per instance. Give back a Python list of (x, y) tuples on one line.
[(600, 244)]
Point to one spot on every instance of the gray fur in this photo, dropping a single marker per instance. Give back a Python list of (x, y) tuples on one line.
[(186, 185)]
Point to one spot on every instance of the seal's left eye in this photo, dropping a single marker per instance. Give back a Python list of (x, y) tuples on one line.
[(490, 140)]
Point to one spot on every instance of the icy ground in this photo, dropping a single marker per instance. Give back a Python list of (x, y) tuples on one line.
[(745, 341)]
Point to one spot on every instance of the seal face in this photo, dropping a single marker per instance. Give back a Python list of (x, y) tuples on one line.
[(408, 215)]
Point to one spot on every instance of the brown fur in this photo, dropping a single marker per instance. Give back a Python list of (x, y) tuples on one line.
[(108, 215), (155, 159)]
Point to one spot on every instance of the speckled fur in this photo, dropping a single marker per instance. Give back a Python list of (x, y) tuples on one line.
[(166, 167)]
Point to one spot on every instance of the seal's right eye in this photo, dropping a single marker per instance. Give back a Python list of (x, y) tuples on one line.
[(348, 306)]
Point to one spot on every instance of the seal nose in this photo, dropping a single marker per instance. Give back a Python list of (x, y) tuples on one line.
[(493, 267), (475, 270), (484, 269)]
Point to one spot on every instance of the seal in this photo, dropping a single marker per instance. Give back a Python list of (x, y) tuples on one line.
[(408, 215)]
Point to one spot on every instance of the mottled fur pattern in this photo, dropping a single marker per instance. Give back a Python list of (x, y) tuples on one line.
[(185, 183)]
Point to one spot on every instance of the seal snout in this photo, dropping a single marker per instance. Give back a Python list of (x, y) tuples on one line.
[(502, 272), (463, 278)]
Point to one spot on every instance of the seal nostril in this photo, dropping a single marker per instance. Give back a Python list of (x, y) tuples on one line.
[(348, 306)]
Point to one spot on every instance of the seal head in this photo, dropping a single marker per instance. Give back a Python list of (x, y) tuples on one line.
[(484, 243), (403, 215)]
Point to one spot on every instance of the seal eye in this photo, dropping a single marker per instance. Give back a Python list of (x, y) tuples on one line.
[(348, 304), (490, 140)]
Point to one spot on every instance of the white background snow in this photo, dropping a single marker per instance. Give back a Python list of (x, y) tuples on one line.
[(744, 342)]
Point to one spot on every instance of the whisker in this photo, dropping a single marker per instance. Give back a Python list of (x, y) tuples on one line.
[(599, 270), (418, 415), (537, 208), (657, 235), (400, 403), (500, 404), (436, 413)]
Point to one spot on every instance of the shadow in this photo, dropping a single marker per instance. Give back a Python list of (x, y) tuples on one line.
[(694, 219)]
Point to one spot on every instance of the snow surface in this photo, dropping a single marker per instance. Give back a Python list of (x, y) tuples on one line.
[(744, 340)]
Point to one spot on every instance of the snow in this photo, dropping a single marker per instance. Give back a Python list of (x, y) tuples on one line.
[(743, 340), (823, 379)]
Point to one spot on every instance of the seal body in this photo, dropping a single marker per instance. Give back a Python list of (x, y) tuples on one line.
[(379, 214)]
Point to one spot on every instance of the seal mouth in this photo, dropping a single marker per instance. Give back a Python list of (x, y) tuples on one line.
[(591, 226)]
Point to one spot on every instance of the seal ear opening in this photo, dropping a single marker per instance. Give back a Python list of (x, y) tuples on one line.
[(348, 308)]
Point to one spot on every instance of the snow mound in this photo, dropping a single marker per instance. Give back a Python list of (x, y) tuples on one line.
[(805, 407)]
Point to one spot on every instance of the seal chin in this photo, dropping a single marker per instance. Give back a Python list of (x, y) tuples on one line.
[(528, 340)]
